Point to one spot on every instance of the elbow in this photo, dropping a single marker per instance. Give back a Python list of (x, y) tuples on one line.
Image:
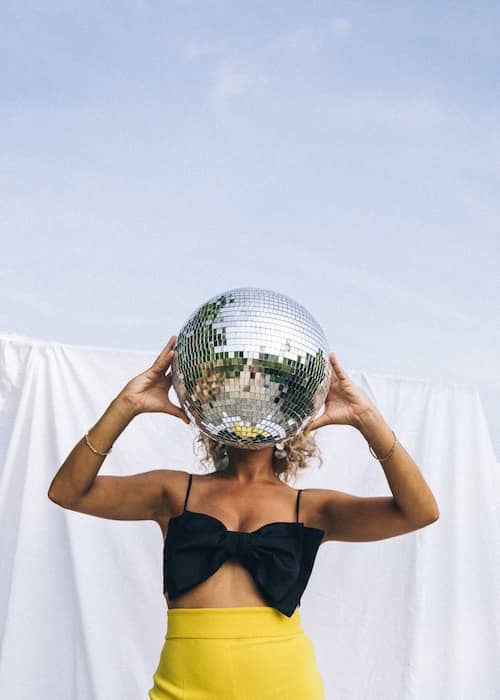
[(52, 495), (432, 517), (426, 518), (431, 512), (435, 512)]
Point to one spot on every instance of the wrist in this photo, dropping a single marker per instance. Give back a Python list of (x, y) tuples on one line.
[(127, 408), (368, 420)]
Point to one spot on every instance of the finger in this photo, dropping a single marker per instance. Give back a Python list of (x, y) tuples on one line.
[(174, 409), (164, 359), (168, 347), (339, 371), (317, 423), (177, 411), (180, 413)]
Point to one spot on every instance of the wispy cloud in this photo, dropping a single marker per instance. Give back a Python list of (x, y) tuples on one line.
[(389, 110), (308, 41), (340, 26), (303, 41), (236, 79), (197, 49), (31, 301)]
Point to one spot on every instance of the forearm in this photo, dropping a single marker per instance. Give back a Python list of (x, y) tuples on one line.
[(79, 470), (411, 492)]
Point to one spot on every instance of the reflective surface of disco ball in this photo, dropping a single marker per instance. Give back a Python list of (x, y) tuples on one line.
[(251, 367)]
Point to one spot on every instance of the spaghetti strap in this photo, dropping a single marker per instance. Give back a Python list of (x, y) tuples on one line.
[(187, 490), (297, 505)]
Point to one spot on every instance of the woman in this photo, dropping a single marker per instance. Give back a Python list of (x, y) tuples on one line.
[(238, 559)]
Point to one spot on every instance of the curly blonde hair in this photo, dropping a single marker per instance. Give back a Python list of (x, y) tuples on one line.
[(299, 449)]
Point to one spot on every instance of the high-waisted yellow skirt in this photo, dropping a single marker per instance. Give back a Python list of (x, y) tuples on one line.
[(242, 653)]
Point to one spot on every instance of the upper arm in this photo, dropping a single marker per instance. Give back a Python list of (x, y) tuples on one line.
[(363, 519), (136, 497)]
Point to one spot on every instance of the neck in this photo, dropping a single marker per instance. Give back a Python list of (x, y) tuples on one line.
[(250, 466)]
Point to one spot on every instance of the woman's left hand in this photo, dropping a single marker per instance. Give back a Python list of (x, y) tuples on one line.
[(345, 402)]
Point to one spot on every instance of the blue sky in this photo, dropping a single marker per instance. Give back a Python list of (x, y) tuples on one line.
[(153, 154)]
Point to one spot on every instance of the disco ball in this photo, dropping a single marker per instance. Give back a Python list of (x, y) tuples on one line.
[(251, 367)]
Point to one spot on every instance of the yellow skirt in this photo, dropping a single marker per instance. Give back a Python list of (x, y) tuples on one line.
[(241, 653)]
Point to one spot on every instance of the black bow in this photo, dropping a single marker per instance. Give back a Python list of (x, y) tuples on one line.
[(272, 554)]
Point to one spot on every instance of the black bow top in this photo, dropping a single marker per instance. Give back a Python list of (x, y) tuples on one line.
[(280, 555)]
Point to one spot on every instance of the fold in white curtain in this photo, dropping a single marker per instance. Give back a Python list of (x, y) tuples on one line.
[(82, 613)]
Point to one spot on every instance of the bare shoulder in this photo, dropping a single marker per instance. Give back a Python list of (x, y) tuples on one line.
[(174, 483), (311, 506)]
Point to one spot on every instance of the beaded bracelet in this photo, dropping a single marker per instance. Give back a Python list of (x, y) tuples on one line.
[(382, 459), (103, 454)]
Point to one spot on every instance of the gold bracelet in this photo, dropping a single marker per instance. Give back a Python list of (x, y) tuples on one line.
[(103, 454), (382, 459)]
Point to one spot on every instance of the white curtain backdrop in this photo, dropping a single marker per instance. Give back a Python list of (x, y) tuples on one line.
[(82, 613)]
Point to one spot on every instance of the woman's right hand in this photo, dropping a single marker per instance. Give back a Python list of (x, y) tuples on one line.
[(148, 391)]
